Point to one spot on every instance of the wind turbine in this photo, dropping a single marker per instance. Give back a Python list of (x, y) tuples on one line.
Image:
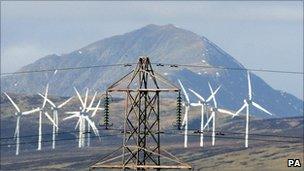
[(248, 102), (55, 109), (214, 111), (85, 111), (203, 103), (41, 110), (19, 114), (83, 116), (185, 120)]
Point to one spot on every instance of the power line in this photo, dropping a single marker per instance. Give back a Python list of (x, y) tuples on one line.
[(66, 139), (36, 135), (241, 138), (157, 64), (255, 134), (252, 134), (229, 68), (167, 133), (65, 69)]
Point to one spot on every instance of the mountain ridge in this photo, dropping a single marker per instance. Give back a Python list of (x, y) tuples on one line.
[(163, 44)]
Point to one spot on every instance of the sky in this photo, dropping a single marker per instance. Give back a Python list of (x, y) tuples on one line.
[(261, 35)]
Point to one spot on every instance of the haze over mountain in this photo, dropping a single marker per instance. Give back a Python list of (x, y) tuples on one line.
[(163, 44)]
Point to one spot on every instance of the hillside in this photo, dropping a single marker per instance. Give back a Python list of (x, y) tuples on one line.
[(266, 151)]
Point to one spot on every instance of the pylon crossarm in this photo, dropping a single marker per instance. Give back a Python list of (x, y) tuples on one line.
[(133, 76), (142, 90), (163, 80), (114, 158), (166, 81), (171, 155), (132, 156), (157, 154), (107, 156), (114, 84), (152, 76)]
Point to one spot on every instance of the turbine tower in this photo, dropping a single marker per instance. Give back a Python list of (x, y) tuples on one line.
[(214, 111), (84, 116), (42, 111), (54, 110), (185, 120), (203, 104), (247, 103), (19, 113)]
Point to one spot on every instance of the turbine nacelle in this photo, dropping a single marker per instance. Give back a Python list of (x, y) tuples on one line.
[(54, 108), (247, 101), (84, 113), (213, 109), (185, 104), (18, 113)]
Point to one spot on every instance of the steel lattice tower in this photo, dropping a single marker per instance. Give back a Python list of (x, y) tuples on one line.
[(141, 148)]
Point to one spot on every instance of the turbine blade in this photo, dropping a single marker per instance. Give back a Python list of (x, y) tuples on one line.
[(261, 108), (95, 111), (249, 86), (225, 112), (195, 104), (93, 99), (45, 95), (184, 91), (72, 116), (74, 112), (93, 108), (213, 97), (186, 113), (79, 97), (64, 103), (77, 124), (213, 94), (197, 95), (31, 111), (49, 117), (242, 108), (48, 100), (86, 98), (92, 124), (207, 123), (14, 104)]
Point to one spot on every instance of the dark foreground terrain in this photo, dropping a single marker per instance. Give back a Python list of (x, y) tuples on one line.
[(272, 142)]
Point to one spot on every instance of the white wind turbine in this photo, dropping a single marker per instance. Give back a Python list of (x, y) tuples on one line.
[(214, 111), (187, 107), (55, 109), (19, 114), (203, 103), (83, 116), (247, 102), (42, 111)]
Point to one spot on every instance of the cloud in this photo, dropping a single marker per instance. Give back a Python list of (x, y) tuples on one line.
[(14, 57), (120, 11)]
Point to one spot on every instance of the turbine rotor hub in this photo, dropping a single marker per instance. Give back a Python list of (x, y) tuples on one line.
[(248, 101)]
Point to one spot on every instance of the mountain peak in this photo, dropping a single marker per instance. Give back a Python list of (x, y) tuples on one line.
[(163, 44), (166, 26)]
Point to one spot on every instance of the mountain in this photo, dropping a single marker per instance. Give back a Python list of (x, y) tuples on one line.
[(163, 44)]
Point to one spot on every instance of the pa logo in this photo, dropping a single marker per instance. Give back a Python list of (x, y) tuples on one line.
[(293, 163)]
